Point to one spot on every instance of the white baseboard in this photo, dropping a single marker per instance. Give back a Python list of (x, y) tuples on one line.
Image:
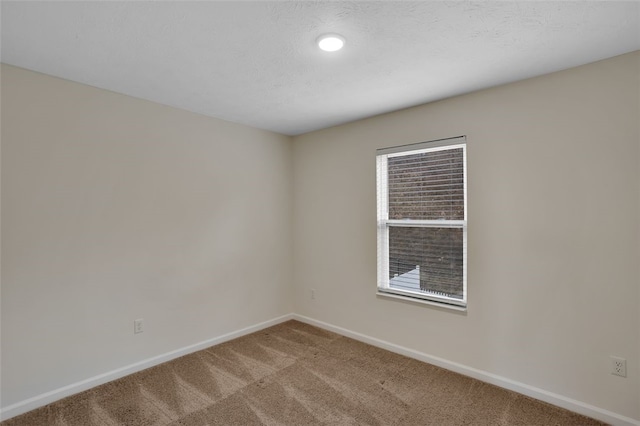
[(524, 389), (540, 394), (63, 392)]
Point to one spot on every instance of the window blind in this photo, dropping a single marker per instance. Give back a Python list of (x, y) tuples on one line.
[(422, 221), (429, 185)]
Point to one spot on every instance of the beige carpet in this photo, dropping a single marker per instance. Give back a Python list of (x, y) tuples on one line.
[(296, 374)]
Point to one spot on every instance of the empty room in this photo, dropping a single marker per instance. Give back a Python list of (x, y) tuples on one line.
[(320, 213)]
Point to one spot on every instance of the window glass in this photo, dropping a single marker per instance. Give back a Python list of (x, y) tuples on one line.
[(422, 221)]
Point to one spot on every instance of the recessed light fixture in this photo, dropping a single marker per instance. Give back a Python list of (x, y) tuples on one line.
[(330, 42)]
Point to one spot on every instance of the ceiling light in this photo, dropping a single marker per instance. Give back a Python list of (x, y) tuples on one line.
[(330, 42)]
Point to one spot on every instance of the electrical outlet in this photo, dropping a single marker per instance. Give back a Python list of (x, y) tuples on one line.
[(313, 293), (137, 326), (618, 366)]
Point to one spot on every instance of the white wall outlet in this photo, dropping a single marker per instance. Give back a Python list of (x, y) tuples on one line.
[(618, 366), (313, 293), (138, 326)]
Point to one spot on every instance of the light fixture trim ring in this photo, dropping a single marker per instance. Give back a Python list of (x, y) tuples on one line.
[(331, 42)]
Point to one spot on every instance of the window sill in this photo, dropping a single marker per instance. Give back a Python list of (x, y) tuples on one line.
[(421, 301)]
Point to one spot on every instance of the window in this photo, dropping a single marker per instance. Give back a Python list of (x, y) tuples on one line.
[(422, 221)]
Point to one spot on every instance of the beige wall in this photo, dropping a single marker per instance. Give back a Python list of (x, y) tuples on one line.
[(115, 208), (554, 184)]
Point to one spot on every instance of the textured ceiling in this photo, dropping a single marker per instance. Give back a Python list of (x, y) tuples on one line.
[(256, 63)]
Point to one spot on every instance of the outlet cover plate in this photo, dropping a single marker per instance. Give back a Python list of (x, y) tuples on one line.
[(138, 326), (618, 366)]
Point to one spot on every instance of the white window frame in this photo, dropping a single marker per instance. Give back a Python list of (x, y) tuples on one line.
[(384, 223)]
